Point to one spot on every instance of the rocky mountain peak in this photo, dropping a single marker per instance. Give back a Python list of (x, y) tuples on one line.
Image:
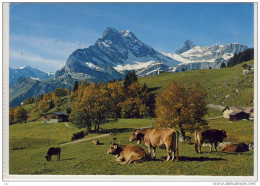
[(186, 46), (111, 33), (128, 34)]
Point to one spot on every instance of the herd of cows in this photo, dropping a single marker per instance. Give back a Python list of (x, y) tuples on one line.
[(168, 139)]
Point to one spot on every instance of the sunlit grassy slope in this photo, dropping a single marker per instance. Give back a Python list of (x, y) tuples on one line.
[(87, 159), (226, 86)]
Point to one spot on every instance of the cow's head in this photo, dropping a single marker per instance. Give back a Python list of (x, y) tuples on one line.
[(223, 135), (135, 135), (48, 157), (114, 149)]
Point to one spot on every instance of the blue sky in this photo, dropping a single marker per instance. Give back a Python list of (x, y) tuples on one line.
[(43, 35)]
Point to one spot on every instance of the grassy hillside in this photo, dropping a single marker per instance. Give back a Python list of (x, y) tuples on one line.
[(226, 86), (87, 159)]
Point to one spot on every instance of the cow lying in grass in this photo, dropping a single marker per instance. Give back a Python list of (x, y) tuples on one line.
[(235, 147), (53, 151), (127, 154)]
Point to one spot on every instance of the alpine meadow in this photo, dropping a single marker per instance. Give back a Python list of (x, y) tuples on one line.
[(123, 89)]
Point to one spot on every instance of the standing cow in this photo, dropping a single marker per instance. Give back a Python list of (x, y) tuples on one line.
[(53, 151), (153, 138), (212, 136), (127, 154)]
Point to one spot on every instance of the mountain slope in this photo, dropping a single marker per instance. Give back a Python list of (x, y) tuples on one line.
[(31, 87), (196, 57), (226, 86), (27, 71), (112, 55)]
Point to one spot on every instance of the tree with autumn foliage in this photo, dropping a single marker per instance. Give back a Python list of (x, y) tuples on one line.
[(117, 94), (181, 107), (92, 107), (20, 115), (11, 115), (135, 105), (44, 104)]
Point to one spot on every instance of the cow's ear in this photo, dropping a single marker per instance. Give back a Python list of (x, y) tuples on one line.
[(115, 146)]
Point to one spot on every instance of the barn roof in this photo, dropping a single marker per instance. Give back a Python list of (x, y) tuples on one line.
[(237, 112), (247, 110)]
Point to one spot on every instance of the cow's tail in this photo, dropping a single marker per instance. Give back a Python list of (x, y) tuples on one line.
[(196, 141), (176, 145)]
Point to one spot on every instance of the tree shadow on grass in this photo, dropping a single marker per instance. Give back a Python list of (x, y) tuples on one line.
[(153, 89), (67, 159), (200, 159), (121, 130)]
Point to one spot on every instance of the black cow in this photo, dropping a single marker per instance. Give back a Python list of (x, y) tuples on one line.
[(212, 136), (78, 135), (53, 151)]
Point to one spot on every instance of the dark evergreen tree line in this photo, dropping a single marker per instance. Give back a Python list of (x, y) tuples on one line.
[(241, 57)]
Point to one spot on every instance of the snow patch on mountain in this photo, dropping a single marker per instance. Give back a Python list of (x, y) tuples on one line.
[(135, 66), (37, 79)]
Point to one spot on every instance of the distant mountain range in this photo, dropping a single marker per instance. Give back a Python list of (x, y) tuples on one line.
[(112, 56), (26, 71)]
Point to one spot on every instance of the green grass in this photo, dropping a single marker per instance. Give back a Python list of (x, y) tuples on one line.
[(87, 159), (213, 113), (227, 86), (36, 134), (238, 131)]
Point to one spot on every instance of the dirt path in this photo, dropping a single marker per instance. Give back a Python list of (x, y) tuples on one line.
[(82, 140), (215, 117), (67, 125)]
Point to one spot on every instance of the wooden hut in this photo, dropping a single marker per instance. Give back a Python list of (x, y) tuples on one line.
[(54, 117)]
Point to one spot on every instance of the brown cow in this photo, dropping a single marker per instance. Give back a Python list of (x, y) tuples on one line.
[(162, 138), (95, 142), (212, 136), (235, 147), (127, 154)]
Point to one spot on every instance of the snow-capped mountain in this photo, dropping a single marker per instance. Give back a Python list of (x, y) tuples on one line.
[(111, 56), (26, 71), (204, 57)]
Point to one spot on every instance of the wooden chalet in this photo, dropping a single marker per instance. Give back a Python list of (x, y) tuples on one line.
[(238, 113), (54, 117)]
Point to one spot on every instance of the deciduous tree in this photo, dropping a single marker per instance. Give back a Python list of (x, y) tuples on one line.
[(97, 106), (180, 107), (20, 114)]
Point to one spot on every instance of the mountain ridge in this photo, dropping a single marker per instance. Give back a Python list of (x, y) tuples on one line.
[(116, 53), (26, 71)]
